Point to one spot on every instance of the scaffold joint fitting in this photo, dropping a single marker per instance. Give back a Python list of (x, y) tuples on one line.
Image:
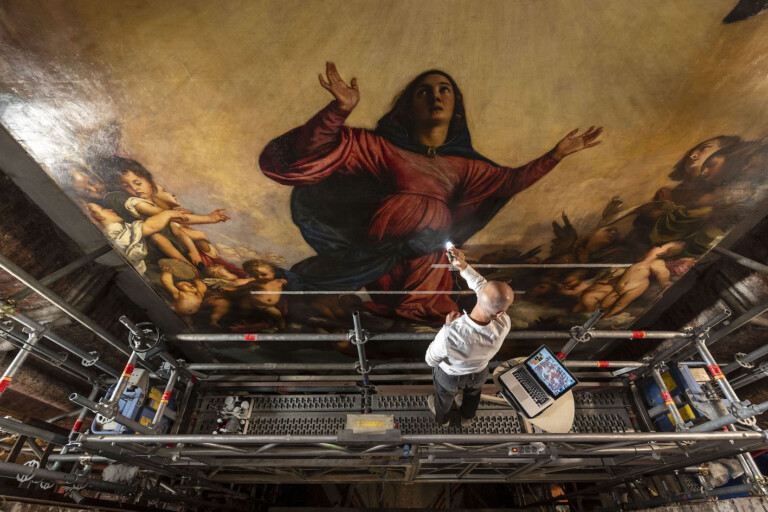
[(352, 337), (92, 361)]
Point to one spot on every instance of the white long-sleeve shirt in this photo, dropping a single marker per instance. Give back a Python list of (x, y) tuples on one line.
[(464, 346)]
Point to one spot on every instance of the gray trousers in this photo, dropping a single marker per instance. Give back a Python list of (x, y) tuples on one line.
[(448, 386)]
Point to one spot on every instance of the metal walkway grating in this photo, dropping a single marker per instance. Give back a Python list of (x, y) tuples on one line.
[(603, 411)]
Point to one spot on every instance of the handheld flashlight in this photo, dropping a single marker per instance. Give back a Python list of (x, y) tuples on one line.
[(448, 247)]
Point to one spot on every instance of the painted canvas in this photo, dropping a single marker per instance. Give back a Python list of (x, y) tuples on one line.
[(589, 154)]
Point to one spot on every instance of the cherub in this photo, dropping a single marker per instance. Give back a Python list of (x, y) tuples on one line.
[(637, 278), (593, 295), (148, 198), (261, 292), (130, 236), (264, 295), (260, 269), (187, 296)]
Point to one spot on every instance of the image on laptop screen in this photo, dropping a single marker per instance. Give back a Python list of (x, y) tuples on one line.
[(551, 372)]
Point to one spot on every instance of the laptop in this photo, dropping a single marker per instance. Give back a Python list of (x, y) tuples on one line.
[(536, 383)]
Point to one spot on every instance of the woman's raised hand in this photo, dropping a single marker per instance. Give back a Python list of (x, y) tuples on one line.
[(346, 96), (572, 143)]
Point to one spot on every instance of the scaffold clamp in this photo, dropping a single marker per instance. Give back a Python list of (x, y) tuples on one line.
[(363, 371), (739, 358), (352, 337), (35, 465), (579, 334), (92, 361)]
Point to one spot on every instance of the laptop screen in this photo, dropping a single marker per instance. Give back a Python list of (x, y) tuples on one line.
[(550, 372)]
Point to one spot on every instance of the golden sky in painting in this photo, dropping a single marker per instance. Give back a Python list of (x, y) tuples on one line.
[(199, 87)]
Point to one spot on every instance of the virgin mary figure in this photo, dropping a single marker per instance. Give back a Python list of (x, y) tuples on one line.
[(378, 206)]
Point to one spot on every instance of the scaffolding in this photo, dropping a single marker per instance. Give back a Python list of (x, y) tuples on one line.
[(296, 427)]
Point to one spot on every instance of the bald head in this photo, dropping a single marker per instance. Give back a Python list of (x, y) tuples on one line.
[(495, 297)]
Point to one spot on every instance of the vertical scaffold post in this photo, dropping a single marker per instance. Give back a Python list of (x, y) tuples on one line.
[(33, 336), (580, 334), (122, 382), (749, 465), (668, 401), (358, 337), (165, 398)]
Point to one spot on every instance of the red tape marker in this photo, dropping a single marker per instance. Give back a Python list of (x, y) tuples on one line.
[(560, 355), (4, 383), (166, 397), (639, 334), (128, 370), (716, 372), (667, 398), (76, 427), (251, 337), (603, 364)]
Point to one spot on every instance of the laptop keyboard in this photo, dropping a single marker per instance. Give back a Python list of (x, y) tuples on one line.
[(532, 387)]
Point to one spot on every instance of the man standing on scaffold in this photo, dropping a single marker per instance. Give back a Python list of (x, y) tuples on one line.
[(461, 350)]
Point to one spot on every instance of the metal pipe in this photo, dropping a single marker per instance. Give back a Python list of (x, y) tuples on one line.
[(63, 271), (382, 366), (757, 374), (732, 326), (35, 448), (76, 427), (12, 470), (703, 329), (58, 340), (122, 382), (63, 416), (48, 356), (578, 334), (438, 451), (412, 336), (728, 419), (109, 413), (670, 403), (608, 437), (17, 427), (748, 358), (21, 275), (714, 369), (75, 457), (278, 380), (143, 460), (741, 260), (21, 356), (164, 400), (358, 339)]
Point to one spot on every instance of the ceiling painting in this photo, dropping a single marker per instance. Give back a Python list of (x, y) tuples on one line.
[(612, 145)]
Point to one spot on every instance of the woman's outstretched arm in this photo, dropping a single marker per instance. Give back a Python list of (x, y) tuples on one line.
[(484, 180), (322, 146)]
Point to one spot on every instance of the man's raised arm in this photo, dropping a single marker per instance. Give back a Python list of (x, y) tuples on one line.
[(474, 280)]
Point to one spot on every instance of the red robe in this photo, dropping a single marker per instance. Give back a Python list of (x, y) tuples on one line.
[(424, 192)]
